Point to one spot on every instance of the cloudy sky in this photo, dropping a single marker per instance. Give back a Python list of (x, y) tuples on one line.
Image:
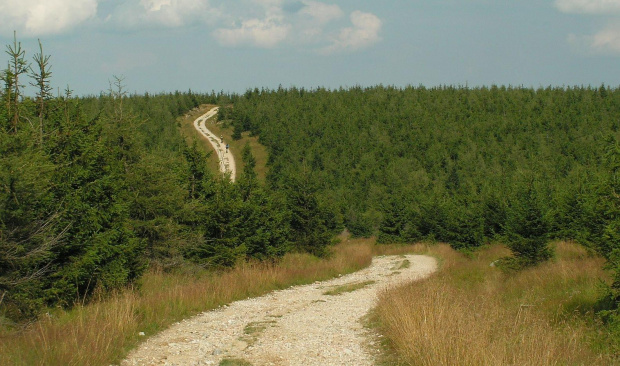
[(232, 45)]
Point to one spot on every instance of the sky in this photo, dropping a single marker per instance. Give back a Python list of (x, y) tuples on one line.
[(233, 45)]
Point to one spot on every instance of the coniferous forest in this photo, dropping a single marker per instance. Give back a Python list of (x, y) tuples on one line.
[(466, 166), (94, 190)]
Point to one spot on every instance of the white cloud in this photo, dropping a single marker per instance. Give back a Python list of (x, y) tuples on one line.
[(321, 12), (272, 8), (312, 21), (606, 41), (269, 3), (588, 6), (363, 33), (264, 33), (306, 24), (310, 24), (44, 17), (167, 13)]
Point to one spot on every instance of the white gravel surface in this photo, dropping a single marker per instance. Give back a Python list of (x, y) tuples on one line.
[(227, 161), (298, 326)]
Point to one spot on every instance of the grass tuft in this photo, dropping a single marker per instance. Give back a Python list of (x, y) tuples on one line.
[(402, 265), (253, 330), (234, 362), (349, 287)]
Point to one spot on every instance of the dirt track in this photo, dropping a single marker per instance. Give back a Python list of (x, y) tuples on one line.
[(298, 326), (227, 161)]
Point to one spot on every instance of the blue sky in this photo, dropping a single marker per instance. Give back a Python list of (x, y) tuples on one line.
[(204, 45)]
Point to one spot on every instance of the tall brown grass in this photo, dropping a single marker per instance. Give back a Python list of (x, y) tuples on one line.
[(102, 332), (471, 313)]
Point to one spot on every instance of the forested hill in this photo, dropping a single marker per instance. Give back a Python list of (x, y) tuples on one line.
[(95, 190), (454, 164)]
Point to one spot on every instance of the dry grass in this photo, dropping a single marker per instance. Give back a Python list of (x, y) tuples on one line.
[(102, 332), (469, 313), (473, 314)]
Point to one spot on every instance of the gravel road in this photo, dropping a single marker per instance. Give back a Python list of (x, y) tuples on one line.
[(227, 161), (302, 325)]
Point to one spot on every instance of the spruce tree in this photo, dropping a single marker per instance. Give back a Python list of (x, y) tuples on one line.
[(41, 76), (526, 227), (11, 77), (309, 216)]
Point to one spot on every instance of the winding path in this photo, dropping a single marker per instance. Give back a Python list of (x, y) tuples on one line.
[(227, 161), (302, 325)]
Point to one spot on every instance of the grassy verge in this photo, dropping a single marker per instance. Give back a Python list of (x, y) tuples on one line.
[(471, 313), (259, 151), (101, 333)]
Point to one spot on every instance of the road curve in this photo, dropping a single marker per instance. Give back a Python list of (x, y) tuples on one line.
[(226, 159), (302, 325)]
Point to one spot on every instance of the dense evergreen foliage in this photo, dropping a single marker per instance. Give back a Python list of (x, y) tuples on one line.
[(93, 190), (461, 165)]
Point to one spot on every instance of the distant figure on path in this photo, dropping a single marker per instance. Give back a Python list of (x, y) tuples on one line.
[(221, 138), (227, 146)]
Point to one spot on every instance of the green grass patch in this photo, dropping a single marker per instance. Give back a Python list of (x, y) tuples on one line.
[(234, 362), (253, 330), (350, 287), (402, 265)]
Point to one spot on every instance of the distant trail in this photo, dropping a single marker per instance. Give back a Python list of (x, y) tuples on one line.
[(227, 161), (300, 326)]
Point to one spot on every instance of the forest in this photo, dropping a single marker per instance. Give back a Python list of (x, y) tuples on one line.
[(95, 190), (466, 166)]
